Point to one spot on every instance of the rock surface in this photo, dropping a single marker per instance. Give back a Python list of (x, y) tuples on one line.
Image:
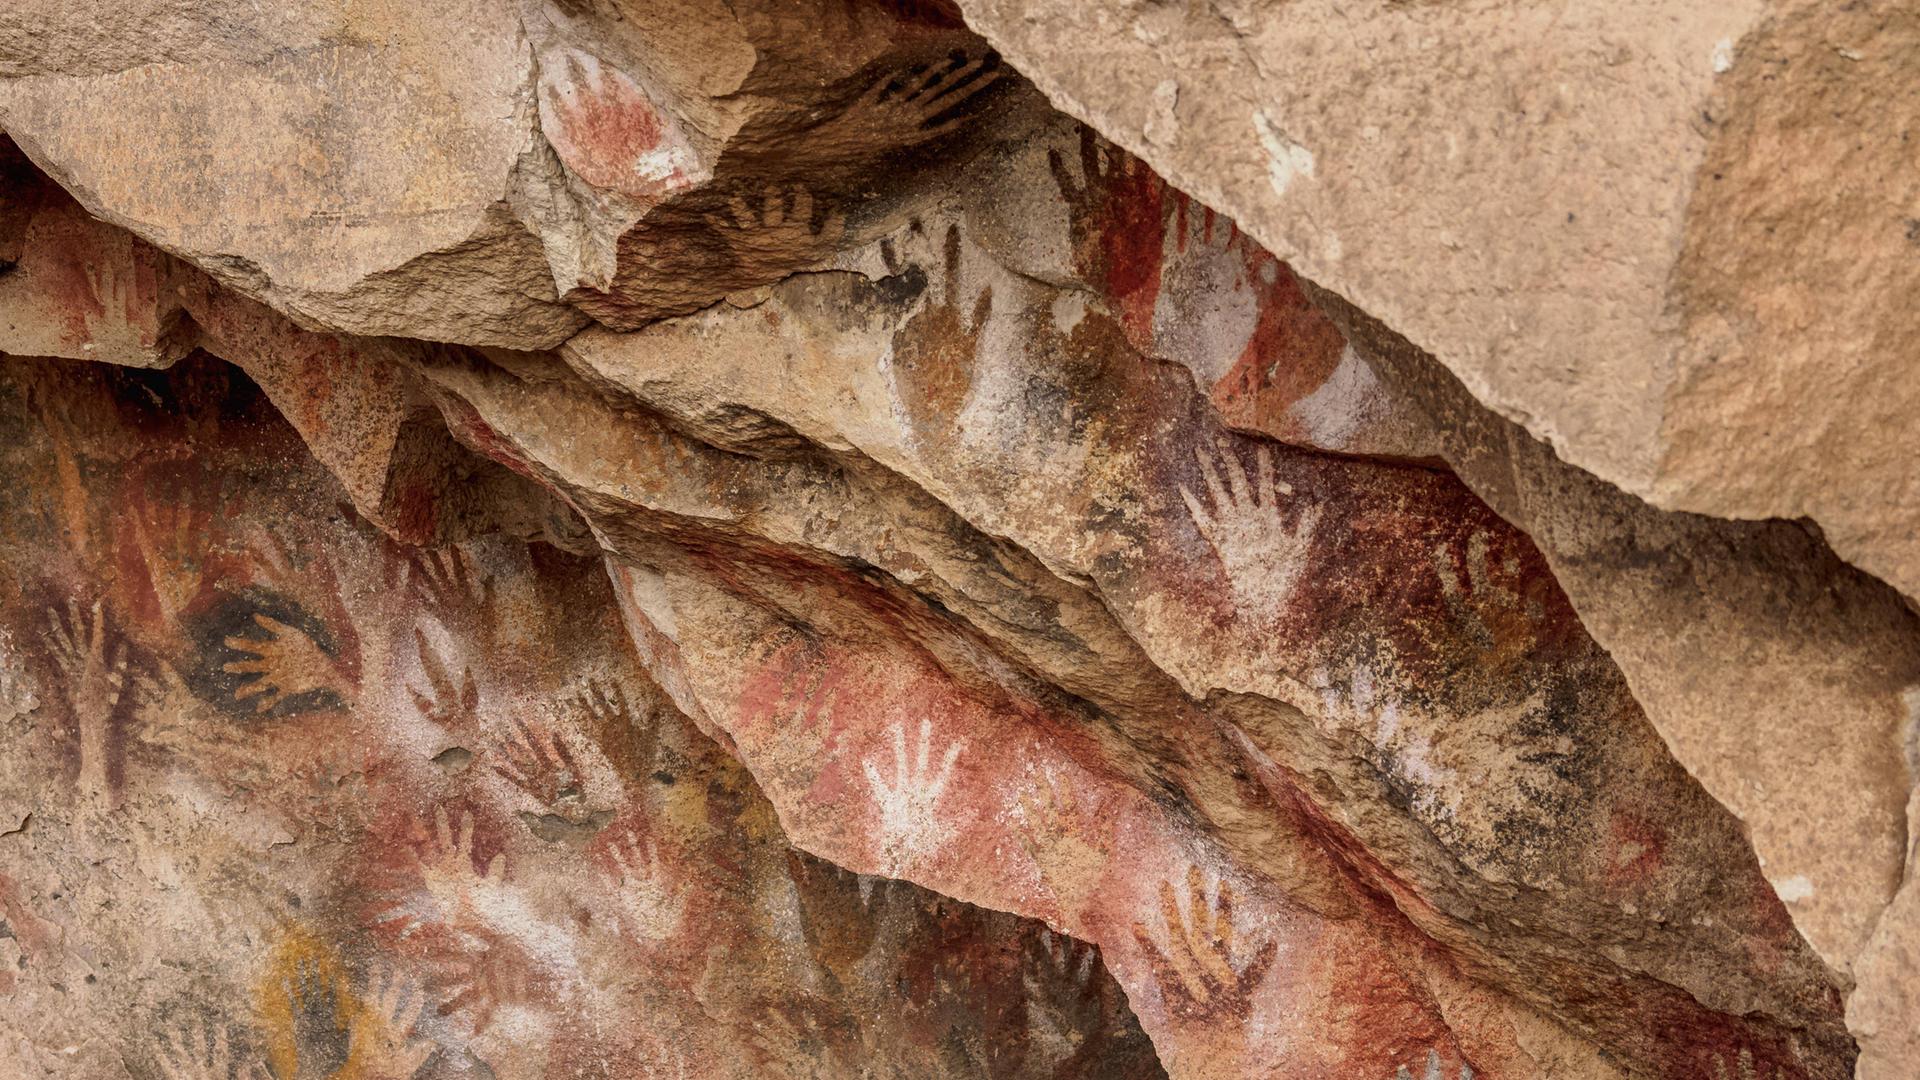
[(1674, 241), (589, 539)]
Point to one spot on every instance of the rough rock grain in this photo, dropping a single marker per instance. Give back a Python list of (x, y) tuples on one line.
[(1675, 241), (587, 539)]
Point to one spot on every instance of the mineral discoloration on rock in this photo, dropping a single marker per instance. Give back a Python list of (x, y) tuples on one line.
[(1669, 240), (299, 818), (709, 540)]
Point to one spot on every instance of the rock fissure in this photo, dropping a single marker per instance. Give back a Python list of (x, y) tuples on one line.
[(803, 560)]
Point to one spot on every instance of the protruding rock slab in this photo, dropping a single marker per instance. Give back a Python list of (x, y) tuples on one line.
[(1675, 241)]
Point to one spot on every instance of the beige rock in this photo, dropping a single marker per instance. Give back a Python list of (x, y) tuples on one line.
[(311, 158), (491, 172), (1886, 996), (78, 288), (951, 530), (1782, 678), (1671, 240), (1734, 636), (956, 406), (368, 810)]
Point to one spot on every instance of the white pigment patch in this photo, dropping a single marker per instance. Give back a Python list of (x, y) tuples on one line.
[(647, 589), (1722, 56), (1068, 309), (1794, 889), (1337, 410), (1287, 160)]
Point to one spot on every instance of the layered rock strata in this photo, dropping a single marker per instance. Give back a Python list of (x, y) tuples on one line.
[(680, 540)]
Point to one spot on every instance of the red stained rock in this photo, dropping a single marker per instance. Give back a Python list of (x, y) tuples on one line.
[(755, 547)]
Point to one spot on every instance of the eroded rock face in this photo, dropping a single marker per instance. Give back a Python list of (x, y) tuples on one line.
[(732, 540), (284, 794), (1672, 240)]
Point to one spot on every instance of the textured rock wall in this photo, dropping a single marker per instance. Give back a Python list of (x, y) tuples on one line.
[(283, 794), (588, 539)]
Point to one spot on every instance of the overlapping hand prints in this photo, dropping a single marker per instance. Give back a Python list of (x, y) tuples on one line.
[(515, 851)]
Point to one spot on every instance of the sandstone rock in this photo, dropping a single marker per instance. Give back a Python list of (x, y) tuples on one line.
[(78, 288), (1733, 635), (473, 170), (698, 540), (1758, 607), (1324, 688), (1883, 1004), (311, 802), (308, 156), (1674, 241)]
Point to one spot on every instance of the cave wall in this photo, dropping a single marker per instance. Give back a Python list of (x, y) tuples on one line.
[(591, 539)]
